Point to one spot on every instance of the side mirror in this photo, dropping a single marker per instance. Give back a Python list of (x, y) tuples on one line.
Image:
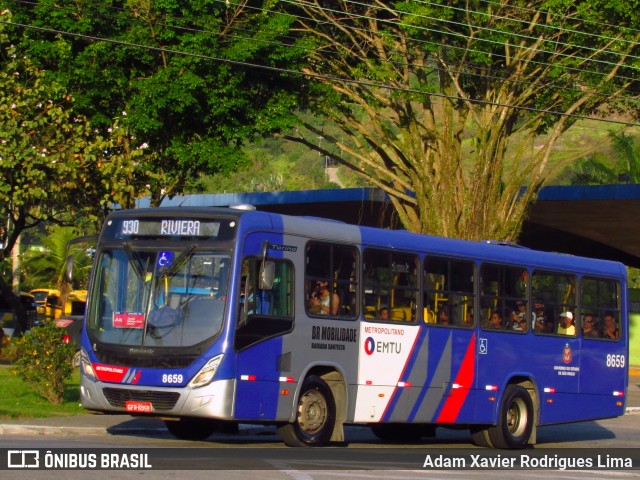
[(267, 269), (267, 274), (68, 270)]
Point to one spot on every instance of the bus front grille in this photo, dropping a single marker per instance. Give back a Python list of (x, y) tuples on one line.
[(117, 397)]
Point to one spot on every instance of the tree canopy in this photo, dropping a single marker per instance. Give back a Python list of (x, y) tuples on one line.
[(178, 76), (454, 108), (45, 153)]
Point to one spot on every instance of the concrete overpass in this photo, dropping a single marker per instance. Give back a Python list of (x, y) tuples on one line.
[(593, 221)]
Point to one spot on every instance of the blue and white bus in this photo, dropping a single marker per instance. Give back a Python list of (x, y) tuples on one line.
[(210, 317)]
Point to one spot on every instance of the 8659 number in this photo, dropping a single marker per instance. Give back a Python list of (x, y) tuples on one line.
[(172, 378), (616, 361)]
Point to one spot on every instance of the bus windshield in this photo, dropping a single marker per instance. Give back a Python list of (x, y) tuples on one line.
[(159, 298)]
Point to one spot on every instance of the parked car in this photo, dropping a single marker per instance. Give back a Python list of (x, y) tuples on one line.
[(73, 328)]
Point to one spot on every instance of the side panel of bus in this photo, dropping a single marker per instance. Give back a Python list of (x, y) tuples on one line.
[(270, 372), (414, 373)]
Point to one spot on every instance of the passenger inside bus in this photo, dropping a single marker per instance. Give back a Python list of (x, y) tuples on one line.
[(468, 318), (323, 301), (610, 329), (495, 322), (518, 319), (383, 313), (566, 326), (540, 321), (443, 316), (589, 327)]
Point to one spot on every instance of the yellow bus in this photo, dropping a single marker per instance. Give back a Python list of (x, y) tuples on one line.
[(51, 306)]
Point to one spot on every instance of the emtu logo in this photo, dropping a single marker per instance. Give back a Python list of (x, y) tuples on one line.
[(369, 346)]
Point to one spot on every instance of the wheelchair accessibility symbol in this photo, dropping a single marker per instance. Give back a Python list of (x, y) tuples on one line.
[(165, 259), (483, 348)]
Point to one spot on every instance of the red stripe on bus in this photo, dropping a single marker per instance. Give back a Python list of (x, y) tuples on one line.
[(457, 396)]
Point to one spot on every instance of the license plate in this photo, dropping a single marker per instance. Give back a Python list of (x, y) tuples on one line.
[(138, 407)]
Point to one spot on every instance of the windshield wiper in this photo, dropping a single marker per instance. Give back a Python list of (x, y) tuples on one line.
[(134, 261)]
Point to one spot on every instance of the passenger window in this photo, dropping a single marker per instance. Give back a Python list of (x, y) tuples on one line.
[(449, 292), (600, 309), (554, 299), (390, 285), (331, 280), (503, 298)]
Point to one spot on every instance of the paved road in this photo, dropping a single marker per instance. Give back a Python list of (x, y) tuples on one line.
[(127, 425)]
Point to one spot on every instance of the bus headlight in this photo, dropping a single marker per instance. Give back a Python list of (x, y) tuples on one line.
[(85, 366), (206, 373)]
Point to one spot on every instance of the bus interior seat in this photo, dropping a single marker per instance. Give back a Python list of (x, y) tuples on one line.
[(430, 316), (401, 313)]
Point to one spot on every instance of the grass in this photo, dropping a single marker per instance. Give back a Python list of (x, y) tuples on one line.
[(17, 400)]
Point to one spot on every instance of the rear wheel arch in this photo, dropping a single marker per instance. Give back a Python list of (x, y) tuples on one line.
[(521, 395)]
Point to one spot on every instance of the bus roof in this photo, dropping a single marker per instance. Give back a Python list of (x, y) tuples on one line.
[(332, 230)]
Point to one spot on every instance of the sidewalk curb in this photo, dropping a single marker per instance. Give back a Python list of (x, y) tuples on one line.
[(49, 430), (10, 429)]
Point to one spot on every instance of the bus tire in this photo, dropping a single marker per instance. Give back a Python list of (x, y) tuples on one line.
[(315, 416), (197, 429), (480, 436), (515, 420)]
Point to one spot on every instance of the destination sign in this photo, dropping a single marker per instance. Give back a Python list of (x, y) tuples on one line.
[(177, 228)]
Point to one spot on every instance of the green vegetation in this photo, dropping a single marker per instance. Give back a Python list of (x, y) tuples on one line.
[(45, 361), (599, 169), (190, 110), (44, 267), (449, 108), (452, 109), (18, 400)]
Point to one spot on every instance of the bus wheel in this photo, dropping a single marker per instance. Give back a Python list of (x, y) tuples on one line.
[(316, 416), (480, 436), (516, 419), (192, 428)]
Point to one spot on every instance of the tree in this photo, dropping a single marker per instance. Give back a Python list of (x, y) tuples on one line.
[(454, 108), (45, 267), (178, 71), (45, 155)]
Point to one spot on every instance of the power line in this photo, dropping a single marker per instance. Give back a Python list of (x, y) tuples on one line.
[(495, 30), (317, 76), (495, 54), (458, 35), (566, 17)]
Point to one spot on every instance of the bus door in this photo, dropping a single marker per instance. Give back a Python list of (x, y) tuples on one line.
[(264, 313), (604, 361)]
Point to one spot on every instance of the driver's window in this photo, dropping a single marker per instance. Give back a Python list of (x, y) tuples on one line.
[(264, 313)]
